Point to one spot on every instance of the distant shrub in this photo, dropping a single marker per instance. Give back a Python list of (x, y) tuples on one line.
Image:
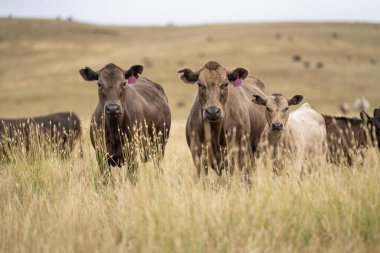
[(209, 39), (202, 55), (181, 63), (148, 63), (297, 58), (319, 65), (180, 104)]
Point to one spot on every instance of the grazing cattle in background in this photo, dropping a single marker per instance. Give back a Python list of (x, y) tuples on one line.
[(361, 104), (126, 102), (347, 138), (299, 135), (222, 117), (344, 108), (61, 129)]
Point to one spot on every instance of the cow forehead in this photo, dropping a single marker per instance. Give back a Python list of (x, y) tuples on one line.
[(212, 77), (277, 101), (111, 74)]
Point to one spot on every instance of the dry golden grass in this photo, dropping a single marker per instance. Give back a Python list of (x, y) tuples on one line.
[(53, 205)]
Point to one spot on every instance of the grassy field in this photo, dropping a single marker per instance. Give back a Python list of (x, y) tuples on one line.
[(50, 205)]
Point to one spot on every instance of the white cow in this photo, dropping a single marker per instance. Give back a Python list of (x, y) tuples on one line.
[(300, 135)]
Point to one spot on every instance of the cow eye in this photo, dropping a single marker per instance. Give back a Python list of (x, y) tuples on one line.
[(285, 110), (100, 85), (223, 86), (268, 109), (123, 84), (203, 87)]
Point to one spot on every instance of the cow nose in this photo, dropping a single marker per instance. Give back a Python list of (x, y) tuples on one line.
[(213, 113), (277, 126), (113, 109)]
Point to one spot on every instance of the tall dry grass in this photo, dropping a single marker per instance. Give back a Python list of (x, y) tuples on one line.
[(55, 205)]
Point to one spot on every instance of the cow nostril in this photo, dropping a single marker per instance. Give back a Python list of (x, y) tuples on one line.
[(277, 126), (213, 112), (113, 108)]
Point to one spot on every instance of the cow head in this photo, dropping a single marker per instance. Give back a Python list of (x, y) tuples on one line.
[(277, 109), (112, 81), (213, 81)]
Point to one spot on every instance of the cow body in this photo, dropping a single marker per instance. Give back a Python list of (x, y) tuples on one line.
[(235, 131), (61, 129), (123, 110)]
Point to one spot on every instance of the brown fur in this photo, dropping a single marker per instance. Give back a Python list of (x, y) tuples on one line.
[(61, 127), (239, 125), (349, 137), (142, 102)]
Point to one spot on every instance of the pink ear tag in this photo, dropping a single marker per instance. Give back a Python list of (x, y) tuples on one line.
[(237, 82), (132, 79)]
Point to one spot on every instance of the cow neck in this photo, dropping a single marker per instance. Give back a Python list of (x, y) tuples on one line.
[(114, 128), (276, 141), (217, 136), (130, 111)]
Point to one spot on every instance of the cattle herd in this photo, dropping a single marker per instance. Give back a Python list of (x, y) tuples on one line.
[(231, 123)]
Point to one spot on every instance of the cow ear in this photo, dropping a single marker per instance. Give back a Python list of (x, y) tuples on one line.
[(364, 116), (238, 73), (376, 113), (257, 99), (295, 100), (188, 76), (88, 74), (134, 71)]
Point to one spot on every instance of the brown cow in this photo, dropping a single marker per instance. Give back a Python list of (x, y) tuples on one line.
[(349, 137), (61, 129), (126, 102), (223, 118)]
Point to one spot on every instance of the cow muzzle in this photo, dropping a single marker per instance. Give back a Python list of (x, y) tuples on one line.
[(113, 110), (277, 126), (213, 113)]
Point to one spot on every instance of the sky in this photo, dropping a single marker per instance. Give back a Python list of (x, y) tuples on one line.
[(163, 12)]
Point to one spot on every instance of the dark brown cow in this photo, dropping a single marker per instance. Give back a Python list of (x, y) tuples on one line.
[(126, 101), (61, 129), (349, 137), (223, 118), (376, 124)]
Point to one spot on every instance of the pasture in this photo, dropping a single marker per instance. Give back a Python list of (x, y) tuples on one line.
[(53, 205)]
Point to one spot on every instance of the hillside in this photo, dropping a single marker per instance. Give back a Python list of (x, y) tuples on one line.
[(40, 59)]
